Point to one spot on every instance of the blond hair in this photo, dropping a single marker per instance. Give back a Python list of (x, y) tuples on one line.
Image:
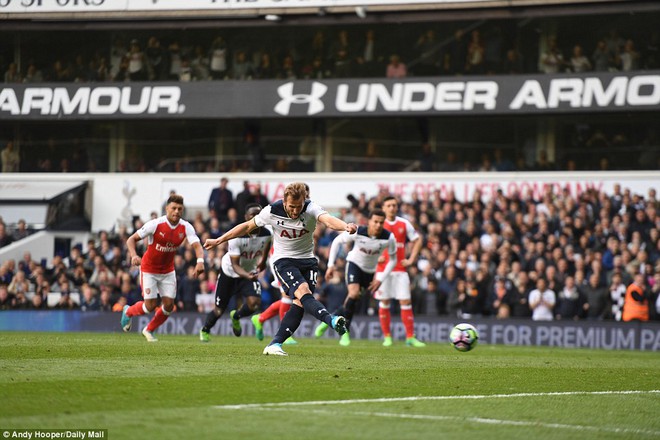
[(296, 191)]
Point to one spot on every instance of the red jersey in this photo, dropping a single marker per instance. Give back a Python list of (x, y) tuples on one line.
[(163, 241), (403, 231)]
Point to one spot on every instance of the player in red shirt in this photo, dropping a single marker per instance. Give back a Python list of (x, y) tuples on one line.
[(397, 284), (157, 278)]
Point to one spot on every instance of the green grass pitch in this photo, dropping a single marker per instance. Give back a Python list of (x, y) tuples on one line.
[(180, 388)]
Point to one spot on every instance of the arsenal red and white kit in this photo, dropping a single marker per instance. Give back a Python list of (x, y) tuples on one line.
[(163, 240), (397, 284)]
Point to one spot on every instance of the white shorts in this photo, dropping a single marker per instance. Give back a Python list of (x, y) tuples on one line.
[(395, 286), (154, 284)]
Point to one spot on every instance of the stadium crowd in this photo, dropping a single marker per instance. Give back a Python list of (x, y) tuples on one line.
[(563, 256), (493, 47)]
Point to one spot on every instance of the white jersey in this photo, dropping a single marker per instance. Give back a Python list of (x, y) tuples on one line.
[(366, 249), (292, 238), (250, 250)]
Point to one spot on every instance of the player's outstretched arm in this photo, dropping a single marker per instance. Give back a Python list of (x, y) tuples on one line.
[(237, 231), (337, 224)]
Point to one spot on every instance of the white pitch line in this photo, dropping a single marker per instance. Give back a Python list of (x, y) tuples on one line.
[(487, 421), (420, 398)]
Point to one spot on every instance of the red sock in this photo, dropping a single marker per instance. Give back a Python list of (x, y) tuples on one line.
[(136, 309), (408, 320), (159, 318), (271, 311), (385, 319), (284, 307)]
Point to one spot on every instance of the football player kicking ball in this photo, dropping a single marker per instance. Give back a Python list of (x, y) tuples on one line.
[(368, 243), (279, 307), (157, 277), (293, 220), (241, 265)]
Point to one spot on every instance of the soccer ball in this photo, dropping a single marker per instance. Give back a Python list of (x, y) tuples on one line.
[(464, 337)]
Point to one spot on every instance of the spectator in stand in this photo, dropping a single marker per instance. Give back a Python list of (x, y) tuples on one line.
[(218, 56), (369, 59), (614, 43), (519, 302), (500, 301), (173, 61), (137, 69), (552, 60), (288, 69), (455, 58), (601, 58), (266, 69), (11, 160), (426, 160), (426, 51), (200, 65), (155, 59), (341, 43), (5, 238), (19, 287), (12, 75), (542, 301), (242, 199), (66, 300), (117, 54), (242, 68), (571, 303), (636, 305), (579, 63), (342, 65), (493, 50), (188, 288), (221, 200), (475, 63), (7, 301), (513, 64), (258, 197), (396, 69), (471, 300), (33, 74), (105, 300), (89, 301), (630, 58)]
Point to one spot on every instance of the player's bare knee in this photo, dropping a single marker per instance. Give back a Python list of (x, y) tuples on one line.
[(302, 291)]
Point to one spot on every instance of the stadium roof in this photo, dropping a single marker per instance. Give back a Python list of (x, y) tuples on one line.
[(206, 13)]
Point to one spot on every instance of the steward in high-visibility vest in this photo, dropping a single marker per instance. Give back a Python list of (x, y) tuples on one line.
[(636, 302)]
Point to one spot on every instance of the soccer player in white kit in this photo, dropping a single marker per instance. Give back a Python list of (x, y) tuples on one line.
[(239, 274), (368, 244), (157, 278), (293, 220), (397, 284)]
